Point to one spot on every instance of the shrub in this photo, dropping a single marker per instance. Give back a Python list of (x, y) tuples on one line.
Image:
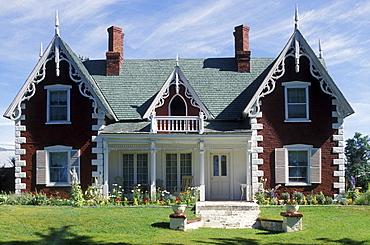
[(363, 199), (309, 199), (328, 201), (343, 201), (320, 198), (285, 196), (298, 196)]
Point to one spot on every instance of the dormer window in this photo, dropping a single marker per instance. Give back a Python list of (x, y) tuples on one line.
[(58, 104), (296, 101), (178, 106)]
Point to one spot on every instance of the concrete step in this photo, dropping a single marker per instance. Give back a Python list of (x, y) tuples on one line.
[(227, 214)]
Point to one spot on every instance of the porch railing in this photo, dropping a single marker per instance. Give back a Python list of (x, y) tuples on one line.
[(177, 124)]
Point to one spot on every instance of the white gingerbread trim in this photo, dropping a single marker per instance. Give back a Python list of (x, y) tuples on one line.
[(58, 52), (178, 79)]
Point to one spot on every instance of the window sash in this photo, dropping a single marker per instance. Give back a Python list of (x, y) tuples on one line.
[(58, 166), (298, 165), (58, 104), (54, 164), (135, 170), (177, 166)]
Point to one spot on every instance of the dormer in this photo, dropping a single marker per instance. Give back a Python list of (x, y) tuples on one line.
[(177, 108)]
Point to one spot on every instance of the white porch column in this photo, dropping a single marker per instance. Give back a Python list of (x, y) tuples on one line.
[(105, 169), (153, 170), (202, 196), (249, 192)]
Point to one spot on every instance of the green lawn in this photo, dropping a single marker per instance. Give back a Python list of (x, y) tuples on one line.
[(150, 225)]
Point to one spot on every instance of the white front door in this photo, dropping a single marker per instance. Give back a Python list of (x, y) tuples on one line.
[(220, 181)]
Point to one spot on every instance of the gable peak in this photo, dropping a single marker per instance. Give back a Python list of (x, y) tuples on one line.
[(57, 23), (321, 56), (296, 17)]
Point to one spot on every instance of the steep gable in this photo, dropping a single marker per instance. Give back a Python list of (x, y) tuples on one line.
[(177, 85), (298, 47), (58, 51)]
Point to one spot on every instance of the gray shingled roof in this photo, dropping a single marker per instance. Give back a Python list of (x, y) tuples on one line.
[(224, 91)]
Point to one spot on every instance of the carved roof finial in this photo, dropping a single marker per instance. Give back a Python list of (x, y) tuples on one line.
[(177, 59), (41, 50), (321, 56), (56, 23), (296, 18)]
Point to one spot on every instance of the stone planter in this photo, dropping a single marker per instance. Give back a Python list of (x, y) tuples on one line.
[(290, 208), (179, 208)]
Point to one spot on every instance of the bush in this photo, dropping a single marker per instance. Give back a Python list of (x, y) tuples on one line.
[(328, 201), (298, 196), (363, 199), (285, 196), (320, 198)]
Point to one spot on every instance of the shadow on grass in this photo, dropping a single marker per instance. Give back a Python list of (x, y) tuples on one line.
[(346, 241), (164, 225), (230, 241), (59, 236)]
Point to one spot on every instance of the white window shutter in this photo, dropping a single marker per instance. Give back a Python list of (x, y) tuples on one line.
[(280, 165), (315, 165), (75, 162), (41, 166)]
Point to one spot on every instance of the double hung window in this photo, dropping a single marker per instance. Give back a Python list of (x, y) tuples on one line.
[(58, 104), (54, 165), (296, 101), (298, 165)]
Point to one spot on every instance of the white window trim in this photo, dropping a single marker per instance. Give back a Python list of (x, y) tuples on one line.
[(178, 165), (314, 170), (58, 87), (296, 84), (298, 147), (58, 148), (135, 165)]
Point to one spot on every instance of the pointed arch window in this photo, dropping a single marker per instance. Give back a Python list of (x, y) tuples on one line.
[(178, 106)]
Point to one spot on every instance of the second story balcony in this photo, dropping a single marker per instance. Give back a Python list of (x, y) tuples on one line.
[(177, 124)]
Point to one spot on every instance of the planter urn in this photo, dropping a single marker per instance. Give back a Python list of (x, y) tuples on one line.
[(178, 208), (290, 208)]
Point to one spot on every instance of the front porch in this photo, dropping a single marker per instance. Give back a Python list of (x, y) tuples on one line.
[(220, 165)]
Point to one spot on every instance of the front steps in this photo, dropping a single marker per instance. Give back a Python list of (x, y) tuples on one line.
[(227, 214)]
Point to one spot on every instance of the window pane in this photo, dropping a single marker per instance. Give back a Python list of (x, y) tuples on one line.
[(142, 168), (298, 165), (216, 171), (58, 105), (58, 166), (128, 171), (171, 171), (296, 95), (297, 111), (185, 165), (223, 165)]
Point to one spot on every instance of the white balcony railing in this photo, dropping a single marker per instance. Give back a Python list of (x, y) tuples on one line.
[(177, 124)]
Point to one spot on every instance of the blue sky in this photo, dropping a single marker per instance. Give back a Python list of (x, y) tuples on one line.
[(191, 29)]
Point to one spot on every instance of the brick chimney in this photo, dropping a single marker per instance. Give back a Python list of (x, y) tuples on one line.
[(242, 53), (115, 50)]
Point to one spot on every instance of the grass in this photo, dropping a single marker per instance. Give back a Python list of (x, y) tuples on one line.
[(150, 225)]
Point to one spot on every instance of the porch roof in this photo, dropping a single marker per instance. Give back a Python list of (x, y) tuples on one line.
[(209, 127)]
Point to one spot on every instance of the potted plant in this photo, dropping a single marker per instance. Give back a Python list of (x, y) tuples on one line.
[(291, 206), (179, 206)]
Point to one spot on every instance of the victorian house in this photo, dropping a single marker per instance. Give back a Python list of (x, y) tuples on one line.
[(227, 122)]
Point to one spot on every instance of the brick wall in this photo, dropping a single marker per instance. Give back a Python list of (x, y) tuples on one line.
[(277, 133), (39, 135)]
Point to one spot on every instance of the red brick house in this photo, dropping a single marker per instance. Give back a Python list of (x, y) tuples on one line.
[(228, 122)]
